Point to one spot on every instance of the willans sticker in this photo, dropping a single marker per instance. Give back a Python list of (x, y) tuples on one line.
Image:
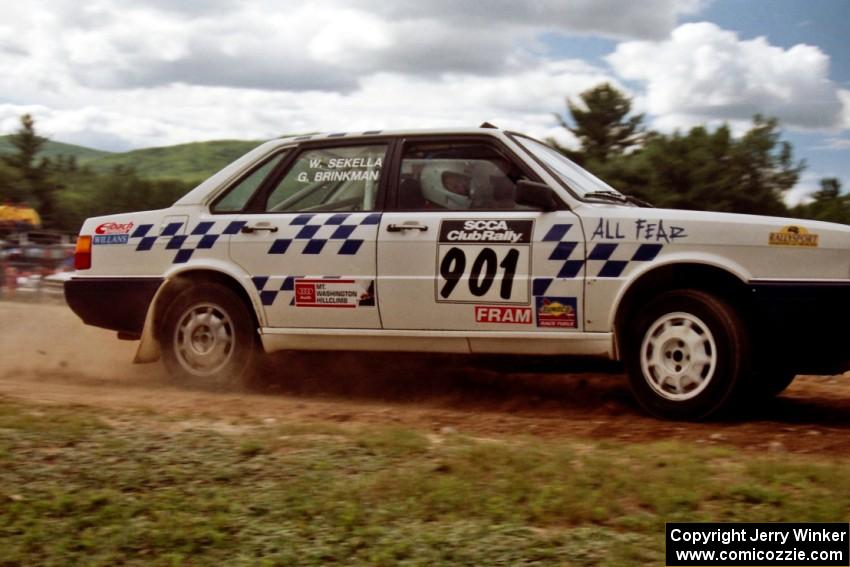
[(112, 233)]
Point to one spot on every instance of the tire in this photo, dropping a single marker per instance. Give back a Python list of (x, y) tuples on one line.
[(687, 355), (209, 337)]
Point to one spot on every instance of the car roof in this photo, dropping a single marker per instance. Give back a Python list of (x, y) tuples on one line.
[(371, 133)]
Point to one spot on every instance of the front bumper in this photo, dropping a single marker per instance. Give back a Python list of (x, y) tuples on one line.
[(119, 304), (803, 325)]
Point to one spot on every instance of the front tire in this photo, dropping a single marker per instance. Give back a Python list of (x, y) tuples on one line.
[(209, 337), (687, 354)]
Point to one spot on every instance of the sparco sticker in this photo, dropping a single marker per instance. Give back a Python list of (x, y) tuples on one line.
[(339, 293), (484, 261)]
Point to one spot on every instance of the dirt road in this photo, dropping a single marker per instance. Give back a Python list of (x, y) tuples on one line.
[(47, 356)]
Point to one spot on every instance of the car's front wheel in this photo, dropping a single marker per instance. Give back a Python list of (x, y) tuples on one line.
[(687, 354), (209, 337)]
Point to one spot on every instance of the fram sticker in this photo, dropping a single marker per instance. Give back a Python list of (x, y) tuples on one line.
[(338, 293), (557, 312), (502, 314)]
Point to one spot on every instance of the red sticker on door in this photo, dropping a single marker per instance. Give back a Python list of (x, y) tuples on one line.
[(339, 293), (501, 314)]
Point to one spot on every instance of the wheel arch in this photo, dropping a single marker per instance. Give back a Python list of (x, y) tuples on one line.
[(710, 278), (177, 281)]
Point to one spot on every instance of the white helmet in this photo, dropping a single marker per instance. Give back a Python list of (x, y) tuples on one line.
[(448, 183)]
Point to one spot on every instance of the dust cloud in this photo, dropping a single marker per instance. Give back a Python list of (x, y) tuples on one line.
[(48, 356)]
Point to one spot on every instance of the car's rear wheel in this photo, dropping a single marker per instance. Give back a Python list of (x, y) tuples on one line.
[(687, 354), (209, 337)]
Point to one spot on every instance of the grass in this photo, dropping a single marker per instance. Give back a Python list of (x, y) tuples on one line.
[(81, 486)]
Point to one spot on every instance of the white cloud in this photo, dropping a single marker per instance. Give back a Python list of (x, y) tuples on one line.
[(703, 73), (801, 193), (182, 113), (323, 44)]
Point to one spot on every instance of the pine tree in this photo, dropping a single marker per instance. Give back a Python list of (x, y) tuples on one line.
[(34, 184), (602, 124)]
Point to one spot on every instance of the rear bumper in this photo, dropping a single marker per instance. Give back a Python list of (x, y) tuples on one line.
[(804, 325), (119, 304)]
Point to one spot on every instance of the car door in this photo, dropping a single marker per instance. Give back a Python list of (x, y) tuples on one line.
[(309, 238), (456, 252)]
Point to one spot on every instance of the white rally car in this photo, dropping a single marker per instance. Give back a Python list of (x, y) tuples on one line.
[(465, 241)]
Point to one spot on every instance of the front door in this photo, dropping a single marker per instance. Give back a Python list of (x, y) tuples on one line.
[(461, 254), (311, 246)]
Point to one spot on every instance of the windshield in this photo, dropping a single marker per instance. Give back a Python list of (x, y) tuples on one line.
[(573, 176)]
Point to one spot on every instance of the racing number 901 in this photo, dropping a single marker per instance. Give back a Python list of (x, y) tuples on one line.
[(453, 268)]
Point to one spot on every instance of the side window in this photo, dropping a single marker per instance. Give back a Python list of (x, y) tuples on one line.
[(237, 197), (463, 176), (330, 179)]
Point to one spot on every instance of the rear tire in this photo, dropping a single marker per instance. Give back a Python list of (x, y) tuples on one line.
[(687, 355), (209, 337)]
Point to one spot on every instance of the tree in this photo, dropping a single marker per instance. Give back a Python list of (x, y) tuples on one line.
[(715, 171), (828, 204), (34, 184), (602, 124)]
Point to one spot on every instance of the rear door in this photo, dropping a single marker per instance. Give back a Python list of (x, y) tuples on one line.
[(458, 253), (309, 242)]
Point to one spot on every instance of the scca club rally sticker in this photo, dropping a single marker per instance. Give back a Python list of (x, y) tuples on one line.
[(484, 261), (112, 233), (339, 293), (557, 312)]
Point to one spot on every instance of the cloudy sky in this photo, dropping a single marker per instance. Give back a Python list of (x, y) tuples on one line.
[(122, 74)]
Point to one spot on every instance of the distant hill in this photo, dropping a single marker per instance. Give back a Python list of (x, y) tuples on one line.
[(52, 149), (192, 162), (188, 162)]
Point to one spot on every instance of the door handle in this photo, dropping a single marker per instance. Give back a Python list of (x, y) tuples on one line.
[(407, 226), (248, 229)]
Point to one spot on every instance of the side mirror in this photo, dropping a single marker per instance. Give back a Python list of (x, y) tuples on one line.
[(535, 194)]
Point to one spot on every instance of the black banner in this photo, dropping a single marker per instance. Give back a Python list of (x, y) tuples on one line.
[(813, 544)]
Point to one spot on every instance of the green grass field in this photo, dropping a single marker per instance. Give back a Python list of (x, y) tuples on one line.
[(83, 486)]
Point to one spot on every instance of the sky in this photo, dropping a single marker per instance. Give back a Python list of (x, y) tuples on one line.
[(123, 74)]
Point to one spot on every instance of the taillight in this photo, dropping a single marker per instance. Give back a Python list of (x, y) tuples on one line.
[(82, 253)]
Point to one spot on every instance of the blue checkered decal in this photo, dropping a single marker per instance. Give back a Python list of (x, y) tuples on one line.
[(269, 287), (611, 258), (614, 257), (563, 249), (202, 237), (327, 233)]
